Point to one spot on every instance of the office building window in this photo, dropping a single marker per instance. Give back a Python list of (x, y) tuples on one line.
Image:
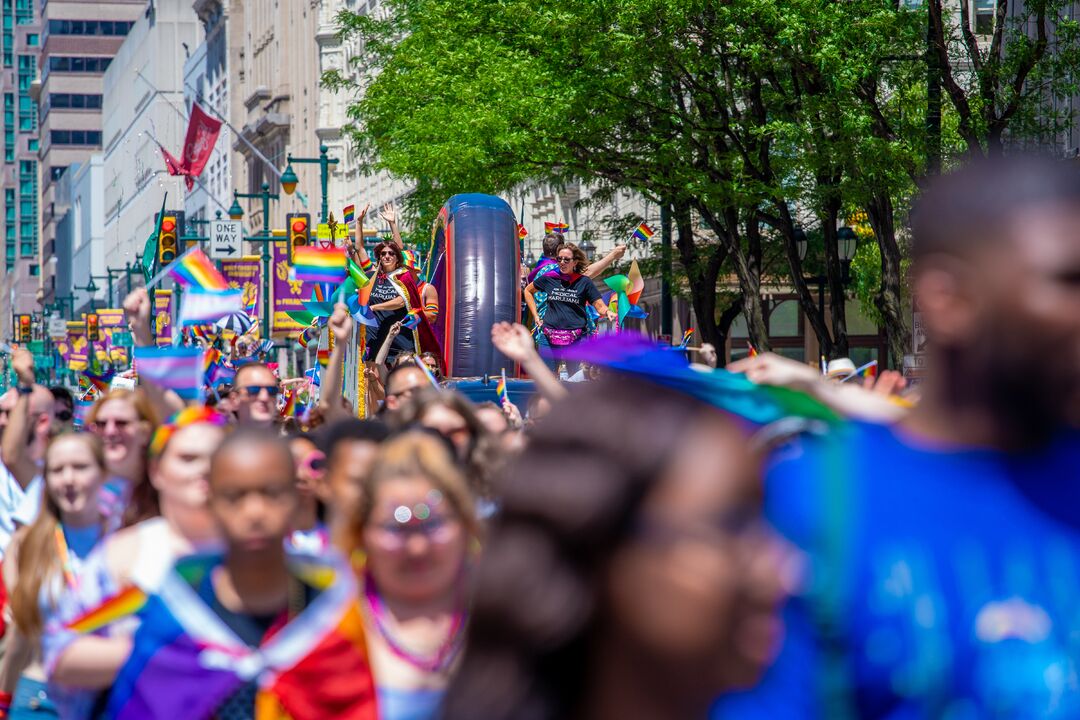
[(35, 270), (64, 63), (69, 101), (31, 39), (113, 28), (24, 12), (984, 16), (55, 171), (75, 137), (32, 144), (26, 249)]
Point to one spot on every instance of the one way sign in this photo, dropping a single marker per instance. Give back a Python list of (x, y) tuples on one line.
[(225, 239)]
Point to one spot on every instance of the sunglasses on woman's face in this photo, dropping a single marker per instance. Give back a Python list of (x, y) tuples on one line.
[(388, 253), (565, 260)]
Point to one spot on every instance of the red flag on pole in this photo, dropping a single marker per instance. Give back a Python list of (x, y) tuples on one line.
[(202, 134)]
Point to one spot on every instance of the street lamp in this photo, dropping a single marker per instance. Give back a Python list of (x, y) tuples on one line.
[(289, 179), (236, 213), (91, 289), (588, 247)]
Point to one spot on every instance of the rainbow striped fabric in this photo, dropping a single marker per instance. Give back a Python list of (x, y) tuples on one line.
[(411, 320), (194, 269), (124, 604), (315, 666), (686, 337), (314, 264), (559, 227), (643, 233), (500, 390), (522, 232), (350, 214), (99, 382)]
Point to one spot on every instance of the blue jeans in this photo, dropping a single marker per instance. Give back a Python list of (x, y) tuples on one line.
[(31, 701)]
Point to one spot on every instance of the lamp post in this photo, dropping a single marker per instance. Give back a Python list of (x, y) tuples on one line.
[(289, 179), (91, 289), (846, 245), (237, 213)]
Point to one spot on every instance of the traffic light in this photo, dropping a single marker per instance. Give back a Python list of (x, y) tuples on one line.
[(25, 333), (297, 225), (92, 333), (169, 243)]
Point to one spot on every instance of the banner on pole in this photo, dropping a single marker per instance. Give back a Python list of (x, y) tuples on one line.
[(76, 346), (163, 322), (246, 274), (288, 294)]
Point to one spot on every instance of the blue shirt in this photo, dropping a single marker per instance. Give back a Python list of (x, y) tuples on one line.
[(944, 582)]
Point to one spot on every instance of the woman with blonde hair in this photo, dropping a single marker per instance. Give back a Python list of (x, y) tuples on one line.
[(44, 561), (125, 421), (416, 531)]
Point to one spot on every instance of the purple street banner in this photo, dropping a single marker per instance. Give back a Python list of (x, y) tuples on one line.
[(288, 295), (163, 317), (246, 274), (110, 320), (76, 346)]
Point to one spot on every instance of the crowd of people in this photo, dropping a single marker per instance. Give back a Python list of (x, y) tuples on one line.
[(666, 540)]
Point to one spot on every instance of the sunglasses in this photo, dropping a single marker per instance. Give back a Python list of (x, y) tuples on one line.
[(254, 390), (388, 253), (569, 259), (103, 425)]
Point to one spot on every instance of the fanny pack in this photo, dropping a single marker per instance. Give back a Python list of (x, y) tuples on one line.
[(561, 338)]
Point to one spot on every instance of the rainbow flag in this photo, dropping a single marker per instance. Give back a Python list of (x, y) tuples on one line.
[(522, 232), (174, 368), (314, 264), (119, 606), (753, 352), (500, 390), (559, 227), (199, 307), (642, 233), (184, 656), (194, 270), (411, 320), (289, 408), (82, 409), (211, 357), (99, 382), (867, 370), (350, 214), (686, 337)]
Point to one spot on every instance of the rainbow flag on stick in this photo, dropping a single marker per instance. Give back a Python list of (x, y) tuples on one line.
[(194, 269), (99, 382), (559, 227), (522, 232), (500, 390), (411, 320), (686, 337), (318, 265), (864, 371), (349, 213), (179, 369), (753, 352), (643, 233)]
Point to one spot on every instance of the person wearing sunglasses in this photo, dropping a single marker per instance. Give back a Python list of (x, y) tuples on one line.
[(568, 292), (254, 396), (63, 407), (394, 295), (125, 420), (416, 537)]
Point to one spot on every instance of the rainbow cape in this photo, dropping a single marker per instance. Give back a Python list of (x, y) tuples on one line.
[(194, 269), (184, 656), (314, 264)]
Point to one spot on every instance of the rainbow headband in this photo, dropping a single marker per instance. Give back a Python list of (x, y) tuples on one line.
[(194, 415)]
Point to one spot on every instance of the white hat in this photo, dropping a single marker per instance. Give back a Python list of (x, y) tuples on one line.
[(840, 368)]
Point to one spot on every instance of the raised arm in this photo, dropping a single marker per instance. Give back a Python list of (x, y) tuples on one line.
[(15, 443), (384, 351), (358, 241), (594, 270), (515, 342), (341, 324), (390, 216), (138, 311)]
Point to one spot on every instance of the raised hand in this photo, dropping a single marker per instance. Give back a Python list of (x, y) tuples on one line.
[(340, 322), (22, 362), (137, 309), (388, 213), (513, 340)]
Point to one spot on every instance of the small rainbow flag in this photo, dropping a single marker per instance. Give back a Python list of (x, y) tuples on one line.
[(427, 372), (412, 319), (289, 408), (194, 269), (99, 382), (500, 390), (867, 370), (350, 214), (119, 606), (753, 352), (317, 265), (643, 233), (559, 227), (686, 337), (522, 232)]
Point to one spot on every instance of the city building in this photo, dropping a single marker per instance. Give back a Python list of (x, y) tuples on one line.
[(206, 81), (144, 106), (273, 91), (79, 39)]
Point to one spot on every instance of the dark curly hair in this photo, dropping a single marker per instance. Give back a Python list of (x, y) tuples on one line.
[(569, 502), (377, 252)]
